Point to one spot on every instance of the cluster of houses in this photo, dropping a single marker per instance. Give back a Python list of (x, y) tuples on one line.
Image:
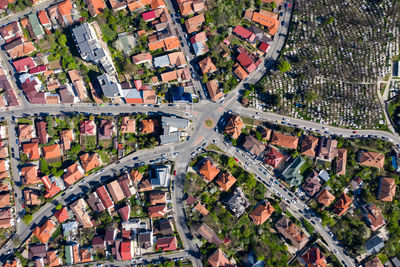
[(6, 211), (324, 149), (237, 203), (131, 238)]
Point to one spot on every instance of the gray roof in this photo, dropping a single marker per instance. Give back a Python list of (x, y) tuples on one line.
[(161, 61), (395, 69), (374, 244), (199, 48), (36, 26), (324, 175), (68, 227), (292, 172), (109, 88), (161, 176), (88, 45), (175, 122), (237, 202), (170, 138)]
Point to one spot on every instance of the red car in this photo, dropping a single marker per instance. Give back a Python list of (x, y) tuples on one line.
[(236, 159), (354, 132), (174, 172)]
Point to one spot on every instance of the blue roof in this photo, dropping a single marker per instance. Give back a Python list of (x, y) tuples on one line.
[(161, 61), (179, 95), (198, 48)]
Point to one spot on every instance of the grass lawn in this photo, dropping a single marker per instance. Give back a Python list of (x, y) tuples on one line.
[(105, 143), (88, 142)]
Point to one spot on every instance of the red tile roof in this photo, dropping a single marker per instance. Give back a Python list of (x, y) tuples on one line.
[(234, 126), (218, 259), (208, 170), (325, 198), (157, 211), (308, 145), (342, 205), (44, 233), (261, 213), (166, 243), (371, 159), (105, 197), (95, 7), (273, 157), (126, 250), (225, 180), (314, 258), (244, 33), (387, 189), (31, 150), (24, 64), (287, 141), (62, 215)]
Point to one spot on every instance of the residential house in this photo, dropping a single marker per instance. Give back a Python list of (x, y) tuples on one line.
[(199, 44), (342, 205), (90, 161), (267, 19), (312, 185), (66, 136), (157, 211), (128, 125), (126, 185), (234, 126), (164, 227), (78, 83), (95, 7), (149, 126), (244, 33), (126, 250), (6, 218), (11, 31), (62, 13), (52, 152), (124, 212), (44, 232), (291, 232), (261, 213), (80, 209), (193, 24), (247, 61), (106, 129), (32, 88), (237, 202), (30, 175), (207, 66), (309, 145), (157, 197), (95, 203), (213, 90), (87, 127), (287, 141), (201, 209), (208, 234), (19, 48), (136, 176), (191, 6), (24, 64), (374, 217), (325, 198), (42, 132), (166, 243), (53, 259), (115, 191), (208, 170), (44, 20), (225, 180), (4, 199), (314, 257), (142, 58), (327, 148), (386, 189), (340, 161), (371, 159), (172, 128), (51, 188), (273, 157), (98, 243), (109, 86), (138, 4), (292, 173), (31, 197), (253, 146), (374, 262), (62, 215), (26, 132), (105, 198), (218, 259), (37, 251), (145, 240), (31, 150), (35, 26), (73, 174), (374, 244)]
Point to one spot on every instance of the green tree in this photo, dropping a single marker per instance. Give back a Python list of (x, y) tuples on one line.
[(284, 66), (27, 219), (62, 40), (59, 206), (44, 166), (311, 96)]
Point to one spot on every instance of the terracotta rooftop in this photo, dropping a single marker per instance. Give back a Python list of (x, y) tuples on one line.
[(374, 262), (213, 90), (261, 213), (89, 162), (31, 197), (30, 175), (218, 259), (194, 24), (62, 215), (157, 211), (44, 232), (207, 66), (387, 189), (269, 21), (26, 132), (234, 126), (314, 257), (325, 198), (128, 125), (371, 159), (342, 205), (66, 136), (73, 174), (208, 234), (291, 231), (80, 209), (149, 126), (341, 161), (253, 146), (225, 180), (308, 145), (273, 157), (327, 148), (374, 217), (201, 209), (157, 197), (115, 191), (31, 150), (52, 151), (136, 176), (208, 170), (287, 141)]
